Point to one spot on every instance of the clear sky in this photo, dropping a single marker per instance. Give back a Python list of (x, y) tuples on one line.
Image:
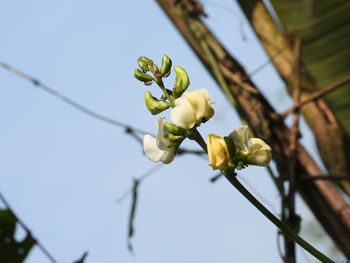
[(62, 171)]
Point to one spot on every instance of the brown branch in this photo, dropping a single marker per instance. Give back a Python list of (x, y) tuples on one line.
[(318, 114), (334, 178), (288, 201), (317, 95)]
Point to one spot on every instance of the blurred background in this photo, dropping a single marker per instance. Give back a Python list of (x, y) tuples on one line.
[(62, 171)]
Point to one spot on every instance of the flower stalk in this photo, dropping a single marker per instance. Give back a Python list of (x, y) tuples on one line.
[(231, 177)]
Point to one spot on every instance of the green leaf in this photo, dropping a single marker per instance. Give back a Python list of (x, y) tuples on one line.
[(11, 250)]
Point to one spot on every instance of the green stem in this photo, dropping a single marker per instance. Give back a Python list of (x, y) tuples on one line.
[(196, 136), (282, 226), (161, 85)]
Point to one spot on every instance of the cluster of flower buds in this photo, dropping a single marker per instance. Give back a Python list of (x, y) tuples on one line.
[(189, 110)]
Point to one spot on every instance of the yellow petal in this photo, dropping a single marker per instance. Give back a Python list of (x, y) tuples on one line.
[(217, 152)]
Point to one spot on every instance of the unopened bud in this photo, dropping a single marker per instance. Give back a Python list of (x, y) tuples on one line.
[(142, 76), (166, 66), (174, 129), (182, 81), (154, 105), (145, 63)]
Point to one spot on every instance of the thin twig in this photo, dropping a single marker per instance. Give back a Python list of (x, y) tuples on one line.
[(140, 179), (265, 64), (316, 95), (69, 101), (24, 226)]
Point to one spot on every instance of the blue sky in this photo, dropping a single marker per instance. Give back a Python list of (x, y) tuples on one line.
[(62, 171)]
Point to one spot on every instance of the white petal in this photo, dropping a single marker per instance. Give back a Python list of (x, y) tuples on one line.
[(151, 149), (169, 155), (162, 142), (260, 152), (260, 157), (199, 104), (184, 116), (181, 101), (203, 92), (240, 138), (258, 144)]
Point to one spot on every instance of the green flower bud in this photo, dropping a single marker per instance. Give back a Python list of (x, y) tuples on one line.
[(182, 81), (145, 63), (174, 129), (143, 76), (166, 66), (154, 105)]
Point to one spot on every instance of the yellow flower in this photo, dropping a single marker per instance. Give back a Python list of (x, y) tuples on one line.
[(254, 150), (217, 152), (192, 108), (247, 151)]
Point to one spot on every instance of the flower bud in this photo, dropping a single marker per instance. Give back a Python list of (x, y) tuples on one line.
[(145, 63), (154, 105), (166, 66), (174, 129), (182, 81), (143, 76)]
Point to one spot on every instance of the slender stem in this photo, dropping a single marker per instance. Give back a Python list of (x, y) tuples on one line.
[(283, 227), (199, 139), (161, 85)]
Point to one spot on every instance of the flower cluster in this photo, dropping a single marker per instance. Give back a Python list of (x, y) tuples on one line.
[(188, 111), (191, 109), (244, 150)]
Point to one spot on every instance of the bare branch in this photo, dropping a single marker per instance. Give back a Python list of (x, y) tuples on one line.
[(69, 101)]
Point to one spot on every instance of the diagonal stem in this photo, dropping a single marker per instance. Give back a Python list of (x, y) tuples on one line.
[(282, 226)]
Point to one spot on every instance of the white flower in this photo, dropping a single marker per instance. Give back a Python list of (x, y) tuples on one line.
[(192, 108), (160, 149), (254, 150)]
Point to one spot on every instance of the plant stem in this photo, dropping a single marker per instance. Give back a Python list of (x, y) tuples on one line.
[(161, 85), (196, 136), (282, 226)]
